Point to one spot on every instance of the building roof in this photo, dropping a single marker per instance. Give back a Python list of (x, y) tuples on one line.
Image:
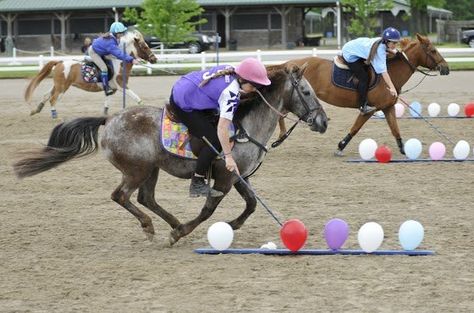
[(56, 5)]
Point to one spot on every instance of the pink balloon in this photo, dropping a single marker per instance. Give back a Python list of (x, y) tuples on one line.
[(437, 151), (399, 109)]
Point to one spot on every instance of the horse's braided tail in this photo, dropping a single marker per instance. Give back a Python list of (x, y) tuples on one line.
[(45, 71), (72, 139)]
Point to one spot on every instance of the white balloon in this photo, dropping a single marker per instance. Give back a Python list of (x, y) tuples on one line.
[(453, 109), (379, 114), (411, 234), (461, 150), (434, 109), (220, 235), (370, 236), (271, 245), (413, 148), (399, 110), (367, 148)]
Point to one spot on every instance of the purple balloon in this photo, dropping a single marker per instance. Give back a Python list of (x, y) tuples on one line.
[(336, 232)]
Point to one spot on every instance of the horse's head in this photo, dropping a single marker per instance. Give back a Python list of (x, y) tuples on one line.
[(301, 99), (430, 57), (135, 44)]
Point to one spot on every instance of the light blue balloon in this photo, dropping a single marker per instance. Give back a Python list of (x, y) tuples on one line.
[(412, 148), (411, 234), (415, 107)]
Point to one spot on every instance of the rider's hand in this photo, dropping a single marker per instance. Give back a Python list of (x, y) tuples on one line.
[(230, 164), (136, 61), (393, 92)]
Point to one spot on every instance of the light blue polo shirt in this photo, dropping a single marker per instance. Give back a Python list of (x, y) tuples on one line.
[(360, 49)]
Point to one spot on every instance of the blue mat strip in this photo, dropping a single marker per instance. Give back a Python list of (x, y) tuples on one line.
[(419, 118), (408, 160), (312, 252)]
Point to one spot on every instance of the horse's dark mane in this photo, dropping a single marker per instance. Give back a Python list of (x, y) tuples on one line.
[(249, 102)]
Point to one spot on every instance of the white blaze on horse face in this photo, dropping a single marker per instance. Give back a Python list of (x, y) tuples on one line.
[(67, 67)]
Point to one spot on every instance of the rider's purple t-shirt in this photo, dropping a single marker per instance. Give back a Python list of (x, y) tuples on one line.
[(222, 93)]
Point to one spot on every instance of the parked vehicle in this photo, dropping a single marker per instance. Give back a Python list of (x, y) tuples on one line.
[(200, 42), (468, 37)]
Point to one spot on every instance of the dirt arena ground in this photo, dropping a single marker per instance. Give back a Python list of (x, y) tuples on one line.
[(66, 247)]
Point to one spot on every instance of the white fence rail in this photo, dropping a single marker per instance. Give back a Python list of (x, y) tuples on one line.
[(206, 59)]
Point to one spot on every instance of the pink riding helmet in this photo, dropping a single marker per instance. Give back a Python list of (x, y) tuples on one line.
[(253, 71)]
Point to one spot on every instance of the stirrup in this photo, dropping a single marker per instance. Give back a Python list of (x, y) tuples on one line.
[(366, 109)]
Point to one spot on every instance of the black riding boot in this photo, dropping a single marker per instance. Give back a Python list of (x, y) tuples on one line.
[(199, 188)]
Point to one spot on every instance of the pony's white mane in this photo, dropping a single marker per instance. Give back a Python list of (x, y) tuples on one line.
[(129, 38)]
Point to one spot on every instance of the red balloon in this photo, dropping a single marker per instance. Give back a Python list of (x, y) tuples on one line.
[(293, 234), (469, 109), (383, 154)]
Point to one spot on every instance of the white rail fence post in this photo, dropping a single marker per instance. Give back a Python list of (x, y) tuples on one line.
[(186, 61)]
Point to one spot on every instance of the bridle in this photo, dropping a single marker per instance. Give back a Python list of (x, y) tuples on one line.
[(143, 47), (309, 121), (428, 55)]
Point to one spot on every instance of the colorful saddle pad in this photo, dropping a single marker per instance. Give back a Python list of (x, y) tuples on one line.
[(91, 73), (175, 137), (343, 78)]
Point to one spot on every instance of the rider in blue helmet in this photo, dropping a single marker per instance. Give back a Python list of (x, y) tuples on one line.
[(107, 46), (362, 52)]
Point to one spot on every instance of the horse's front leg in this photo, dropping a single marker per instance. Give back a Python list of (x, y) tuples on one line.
[(391, 119), (282, 126), (206, 212), (360, 121), (250, 201), (134, 96)]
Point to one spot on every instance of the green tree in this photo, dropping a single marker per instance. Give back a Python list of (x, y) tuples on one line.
[(462, 9), (170, 20), (363, 12), (418, 13)]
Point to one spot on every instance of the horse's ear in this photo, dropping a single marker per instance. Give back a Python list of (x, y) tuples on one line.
[(303, 68), (420, 37), (404, 43)]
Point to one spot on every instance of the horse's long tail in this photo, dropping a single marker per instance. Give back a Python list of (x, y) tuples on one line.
[(73, 139), (45, 71)]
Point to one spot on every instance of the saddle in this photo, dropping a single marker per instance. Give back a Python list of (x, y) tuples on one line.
[(344, 78), (91, 72), (175, 137)]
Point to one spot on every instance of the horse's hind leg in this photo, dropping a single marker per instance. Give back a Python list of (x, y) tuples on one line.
[(391, 119), (250, 201), (122, 194), (360, 121), (146, 197), (55, 97), (46, 98)]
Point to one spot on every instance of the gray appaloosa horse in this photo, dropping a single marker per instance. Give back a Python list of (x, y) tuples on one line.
[(131, 144)]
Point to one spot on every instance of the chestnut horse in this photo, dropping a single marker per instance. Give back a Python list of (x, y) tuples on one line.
[(67, 73), (131, 140), (417, 52)]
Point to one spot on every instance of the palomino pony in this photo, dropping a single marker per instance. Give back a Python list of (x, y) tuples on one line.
[(67, 73), (131, 143), (419, 52)]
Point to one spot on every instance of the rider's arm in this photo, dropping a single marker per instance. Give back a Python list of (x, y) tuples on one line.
[(389, 82), (228, 101), (119, 54), (223, 135)]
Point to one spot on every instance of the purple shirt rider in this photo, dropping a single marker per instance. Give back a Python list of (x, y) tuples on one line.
[(221, 93)]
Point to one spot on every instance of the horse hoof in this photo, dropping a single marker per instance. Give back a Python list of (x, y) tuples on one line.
[(149, 236), (339, 153), (33, 112), (174, 237)]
